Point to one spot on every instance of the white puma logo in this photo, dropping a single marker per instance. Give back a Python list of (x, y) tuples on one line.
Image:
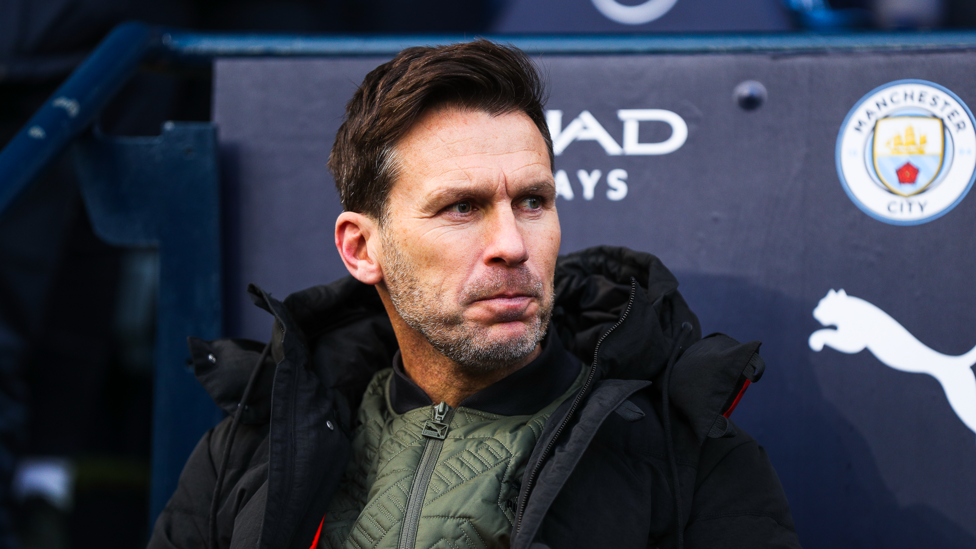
[(862, 325)]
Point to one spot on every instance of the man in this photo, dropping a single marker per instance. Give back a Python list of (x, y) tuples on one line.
[(533, 401)]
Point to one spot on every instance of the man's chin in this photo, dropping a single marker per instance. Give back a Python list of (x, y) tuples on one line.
[(503, 331), (498, 345), (489, 356)]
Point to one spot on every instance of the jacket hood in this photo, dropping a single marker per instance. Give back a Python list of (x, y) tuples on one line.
[(594, 288), (637, 296), (341, 331)]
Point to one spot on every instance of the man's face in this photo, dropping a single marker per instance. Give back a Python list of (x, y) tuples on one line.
[(471, 236)]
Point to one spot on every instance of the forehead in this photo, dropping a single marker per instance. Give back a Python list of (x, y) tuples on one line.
[(453, 144)]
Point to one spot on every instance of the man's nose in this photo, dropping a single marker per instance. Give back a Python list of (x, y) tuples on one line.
[(506, 243)]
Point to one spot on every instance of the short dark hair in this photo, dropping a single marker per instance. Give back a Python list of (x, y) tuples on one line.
[(479, 75)]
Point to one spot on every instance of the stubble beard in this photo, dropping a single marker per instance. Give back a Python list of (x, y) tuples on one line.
[(466, 344)]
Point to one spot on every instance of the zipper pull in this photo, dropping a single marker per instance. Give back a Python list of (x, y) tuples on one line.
[(440, 411), (436, 428)]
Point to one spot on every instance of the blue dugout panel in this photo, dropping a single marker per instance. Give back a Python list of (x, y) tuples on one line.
[(780, 187)]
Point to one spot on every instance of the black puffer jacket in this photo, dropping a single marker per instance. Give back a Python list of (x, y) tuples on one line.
[(622, 464)]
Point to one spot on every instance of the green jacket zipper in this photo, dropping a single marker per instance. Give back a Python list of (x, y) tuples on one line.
[(435, 431)]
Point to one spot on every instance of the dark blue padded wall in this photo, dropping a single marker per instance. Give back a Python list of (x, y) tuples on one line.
[(749, 209), (277, 120)]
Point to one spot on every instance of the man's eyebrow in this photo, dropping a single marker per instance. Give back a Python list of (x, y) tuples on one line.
[(460, 191), (547, 186), (454, 193)]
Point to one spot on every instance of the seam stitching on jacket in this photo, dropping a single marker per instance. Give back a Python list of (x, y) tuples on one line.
[(461, 484)]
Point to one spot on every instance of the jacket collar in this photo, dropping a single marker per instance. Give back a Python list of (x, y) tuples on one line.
[(524, 392)]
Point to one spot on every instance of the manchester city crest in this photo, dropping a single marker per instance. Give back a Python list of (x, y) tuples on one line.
[(905, 153)]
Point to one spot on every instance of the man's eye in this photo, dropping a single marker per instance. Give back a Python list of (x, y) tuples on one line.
[(533, 202), (461, 207)]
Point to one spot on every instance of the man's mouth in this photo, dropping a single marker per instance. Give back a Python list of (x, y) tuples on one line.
[(506, 307), (507, 296), (515, 289)]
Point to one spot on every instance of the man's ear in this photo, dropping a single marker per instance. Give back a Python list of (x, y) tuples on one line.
[(357, 238)]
